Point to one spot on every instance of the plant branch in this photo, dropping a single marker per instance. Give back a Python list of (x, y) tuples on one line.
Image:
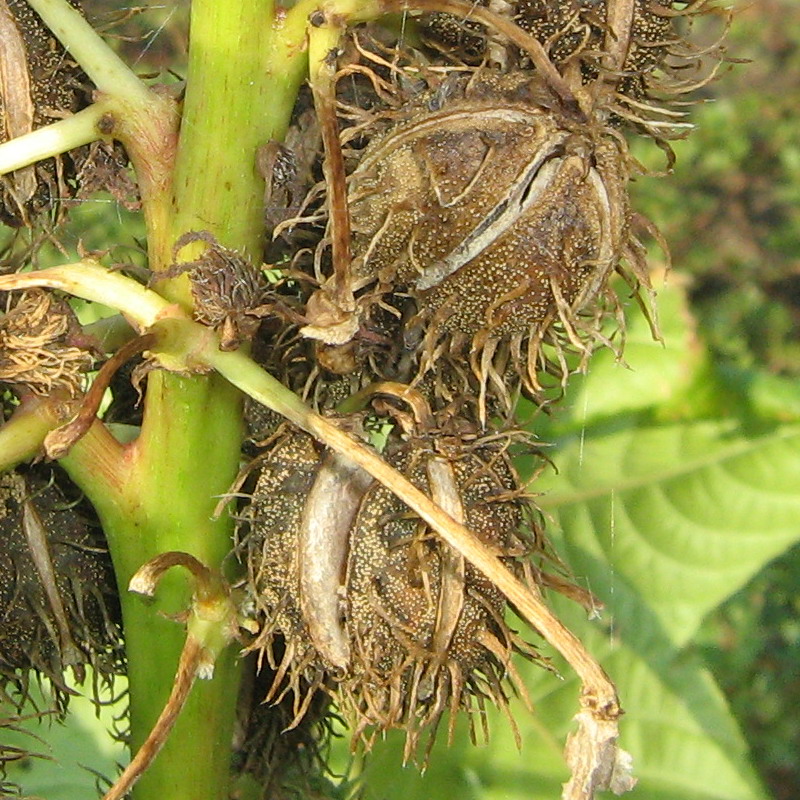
[(22, 435), (99, 464), (54, 139), (107, 71), (91, 281)]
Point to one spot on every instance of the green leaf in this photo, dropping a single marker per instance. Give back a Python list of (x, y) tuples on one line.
[(650, 373), (681, 515), (79, 749), (685, 744)]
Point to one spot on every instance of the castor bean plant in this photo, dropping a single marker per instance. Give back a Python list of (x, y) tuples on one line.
[(285, 486)]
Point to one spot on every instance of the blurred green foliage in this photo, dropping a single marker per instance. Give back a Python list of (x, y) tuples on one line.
[(731, 214), (731, 210)]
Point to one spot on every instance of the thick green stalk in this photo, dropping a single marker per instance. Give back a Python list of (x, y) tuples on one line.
[(188, 451), (22, 435)]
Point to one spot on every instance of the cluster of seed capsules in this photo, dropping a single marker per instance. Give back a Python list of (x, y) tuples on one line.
[(59, 607), (462, 261)]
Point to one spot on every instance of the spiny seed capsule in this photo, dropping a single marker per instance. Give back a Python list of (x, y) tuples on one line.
[(358, 596), (574, 31), (502, 217), (427, 630), (58, 602)]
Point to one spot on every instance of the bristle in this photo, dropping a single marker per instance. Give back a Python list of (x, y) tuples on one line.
[(58, 600)]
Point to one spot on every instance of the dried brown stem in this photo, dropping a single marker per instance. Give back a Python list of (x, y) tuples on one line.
[(184, 679), (58, 442), (323, 88)]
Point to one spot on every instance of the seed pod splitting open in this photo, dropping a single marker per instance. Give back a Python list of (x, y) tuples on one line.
[(500, 216), (357, 595)]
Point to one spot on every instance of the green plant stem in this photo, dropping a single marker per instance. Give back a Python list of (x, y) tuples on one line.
[(66, 134), (106, 70), (187, 454), (21, 437), (228, 114)]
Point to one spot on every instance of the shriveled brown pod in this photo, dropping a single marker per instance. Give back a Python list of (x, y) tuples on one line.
[(503, 217), (427, 631), (623, 56), (58, 598), (296, 540)]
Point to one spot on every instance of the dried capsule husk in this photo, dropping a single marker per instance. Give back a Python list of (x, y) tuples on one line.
[(428, 631), (576, 31), (269, 541), (42, 349), (59, 606), (648, 58), (502, 217), (358, 597)]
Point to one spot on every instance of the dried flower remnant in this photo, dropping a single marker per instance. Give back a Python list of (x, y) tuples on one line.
[(42, 349), (226, 289)]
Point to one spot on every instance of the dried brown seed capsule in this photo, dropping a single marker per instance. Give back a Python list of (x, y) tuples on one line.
[(577, 29), (275, 524), (359, 597), (640, 60), (502, 217), (58, 599), (427, 630), (42, 350)]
